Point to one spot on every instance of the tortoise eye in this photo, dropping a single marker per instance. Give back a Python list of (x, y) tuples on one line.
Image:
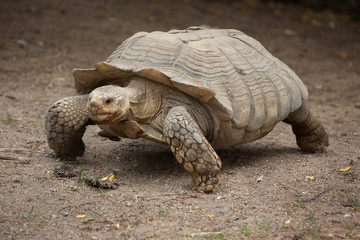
[(108, 101)]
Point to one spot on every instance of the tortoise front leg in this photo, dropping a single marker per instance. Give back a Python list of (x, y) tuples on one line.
[(65, 124), (310, 133), (191, 149)]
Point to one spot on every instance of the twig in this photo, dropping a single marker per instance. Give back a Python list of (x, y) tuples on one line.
[(201, 234), (188, 196), (136, 197), (4, 157), (9, 220), (97, 221), (180, 195), (11, 150), (339, 236), (316, 196), (80, 204), (176, 195)]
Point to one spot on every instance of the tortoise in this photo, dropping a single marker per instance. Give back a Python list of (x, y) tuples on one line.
[(195, 89)]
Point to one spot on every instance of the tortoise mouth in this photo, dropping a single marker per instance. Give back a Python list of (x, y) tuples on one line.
[(105, 117), (101, 118)]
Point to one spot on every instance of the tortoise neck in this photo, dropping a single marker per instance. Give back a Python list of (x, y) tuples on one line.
[(145, 101), (150, 103)]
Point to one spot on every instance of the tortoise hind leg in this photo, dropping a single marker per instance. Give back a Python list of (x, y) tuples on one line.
[(65, 124), (310, 133)]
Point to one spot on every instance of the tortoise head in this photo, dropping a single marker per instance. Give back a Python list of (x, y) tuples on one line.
[(108, 104)]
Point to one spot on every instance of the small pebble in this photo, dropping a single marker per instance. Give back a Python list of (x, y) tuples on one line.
[(128, 204), (40, 43), (22, 43), (297, 235), (259, 179), (66, 214), (347, 215), (332, 25), (318, 86)]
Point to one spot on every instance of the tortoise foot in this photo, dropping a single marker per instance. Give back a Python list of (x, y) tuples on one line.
[(315, 140), (203, 183), (65, 124)]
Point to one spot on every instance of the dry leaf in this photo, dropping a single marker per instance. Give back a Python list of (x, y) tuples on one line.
[(60, 79), (109, 177), (209, 217), (343, 55), (309, 178), (316, 23), (344, 169), (290, 32)]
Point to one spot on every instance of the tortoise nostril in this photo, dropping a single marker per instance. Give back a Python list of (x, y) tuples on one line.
[(93, 104)]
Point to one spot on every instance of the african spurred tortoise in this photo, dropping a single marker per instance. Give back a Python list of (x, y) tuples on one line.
[(193, 89)]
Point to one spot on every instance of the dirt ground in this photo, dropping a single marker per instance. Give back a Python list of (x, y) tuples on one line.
[(268, 189)]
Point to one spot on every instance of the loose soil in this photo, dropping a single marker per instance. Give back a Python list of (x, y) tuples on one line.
[(269, 188)]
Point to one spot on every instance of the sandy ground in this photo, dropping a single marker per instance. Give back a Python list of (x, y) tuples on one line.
[(269, 188)]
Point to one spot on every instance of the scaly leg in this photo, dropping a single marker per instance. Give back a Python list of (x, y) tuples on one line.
[(65, 124), (310, 133), (191, 149)]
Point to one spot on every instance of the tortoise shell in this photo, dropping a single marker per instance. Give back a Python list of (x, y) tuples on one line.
[(229, 71)]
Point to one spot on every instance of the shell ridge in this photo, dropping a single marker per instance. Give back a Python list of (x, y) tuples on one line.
[(260, 48), (194, 59), (253, 110), (277, 96), (130, 42), (248, 92), (129, 46), (153, 51), (182, 47), (264, 78), (288, 93), (301, 86)]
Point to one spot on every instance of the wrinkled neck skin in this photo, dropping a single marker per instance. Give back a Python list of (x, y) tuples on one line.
[(150, 103), (145, 103)]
